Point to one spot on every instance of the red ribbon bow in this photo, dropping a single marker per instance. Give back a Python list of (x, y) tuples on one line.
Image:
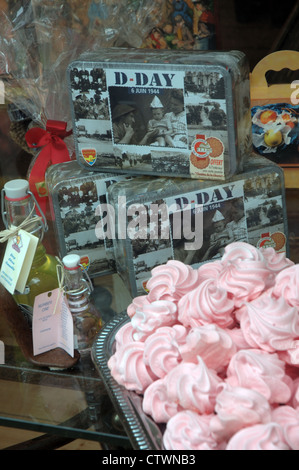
[(53, 151)]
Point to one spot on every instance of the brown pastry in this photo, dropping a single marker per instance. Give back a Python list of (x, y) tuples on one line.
[(216, 146), (198, 162)]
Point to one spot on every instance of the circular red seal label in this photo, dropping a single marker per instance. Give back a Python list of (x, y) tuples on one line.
[(201, 148)]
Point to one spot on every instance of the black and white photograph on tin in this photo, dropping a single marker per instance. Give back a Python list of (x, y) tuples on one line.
[(148, 117), (77, 221), (264, 211), (216, 235), (249, 210), (140, 120)]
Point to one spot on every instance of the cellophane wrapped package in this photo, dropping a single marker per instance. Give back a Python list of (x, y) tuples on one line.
[(38, 41)]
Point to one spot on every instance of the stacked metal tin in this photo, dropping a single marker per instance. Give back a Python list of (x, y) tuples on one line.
[(172, 113), (77, 198), (170, 133)]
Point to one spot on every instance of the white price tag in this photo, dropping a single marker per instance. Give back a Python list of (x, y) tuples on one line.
[(17, 261), (52, 324)]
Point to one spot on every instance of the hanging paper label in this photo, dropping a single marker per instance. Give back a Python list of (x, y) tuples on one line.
[(17, 261), (52, 324)]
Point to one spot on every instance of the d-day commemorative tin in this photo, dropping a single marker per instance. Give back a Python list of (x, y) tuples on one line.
[(158, 219), (161, 112), (76, 197)]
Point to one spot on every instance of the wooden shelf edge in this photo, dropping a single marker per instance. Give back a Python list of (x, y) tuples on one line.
[(291, 177)]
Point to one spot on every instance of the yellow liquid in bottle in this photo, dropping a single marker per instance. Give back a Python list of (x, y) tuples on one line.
[(19, 207), (42, 278)]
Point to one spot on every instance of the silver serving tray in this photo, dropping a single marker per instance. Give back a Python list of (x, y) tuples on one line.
[(143, 432)]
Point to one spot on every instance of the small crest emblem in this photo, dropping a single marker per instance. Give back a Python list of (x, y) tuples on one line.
[(85, 262), (89, 155)]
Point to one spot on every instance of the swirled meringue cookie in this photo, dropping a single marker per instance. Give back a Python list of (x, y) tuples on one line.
[(152, 316), (270, 323), (137, 304), (209, 270), (193, 386), (275, 262), (237, 408), (171, 281), (212, 343), (288, 418), (161, 349), (287, 285), (157, 404), (188, 430), (128, 369), (205, 304), (238, 339), (124, 335), (291, 355), (215, 351), (245, 273), (237, 252), (259, 437), (258, 370)]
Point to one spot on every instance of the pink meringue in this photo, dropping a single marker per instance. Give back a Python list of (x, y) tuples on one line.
[(287, 285), (258, 370), (259, 437), (209, 270), (171, 281), (213, 344), (157, 404), (205, 304), (237, 252), (237, 408), (188, 430), (270, 323), (128, 369), (124, 335), (238, 339), (245, 274), (288, 418), (152, 316), (215, 351), (193, 386), (295, 396), (291, 355), (161, 349), (275, 262), (137, 304)]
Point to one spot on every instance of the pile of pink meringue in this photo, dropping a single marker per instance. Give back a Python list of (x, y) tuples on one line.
[(215, 351)]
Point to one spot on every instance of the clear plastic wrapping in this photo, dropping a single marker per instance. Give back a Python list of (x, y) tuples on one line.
[(39, 38)]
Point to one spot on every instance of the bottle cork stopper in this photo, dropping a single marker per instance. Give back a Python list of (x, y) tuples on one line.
[(71, 261), (16, 189)]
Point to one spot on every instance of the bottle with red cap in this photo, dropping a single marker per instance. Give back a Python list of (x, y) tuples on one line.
[(87, 318), (17, 205)]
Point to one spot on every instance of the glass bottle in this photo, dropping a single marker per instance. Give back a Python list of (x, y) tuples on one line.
[(87, 318), (17, 205)]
